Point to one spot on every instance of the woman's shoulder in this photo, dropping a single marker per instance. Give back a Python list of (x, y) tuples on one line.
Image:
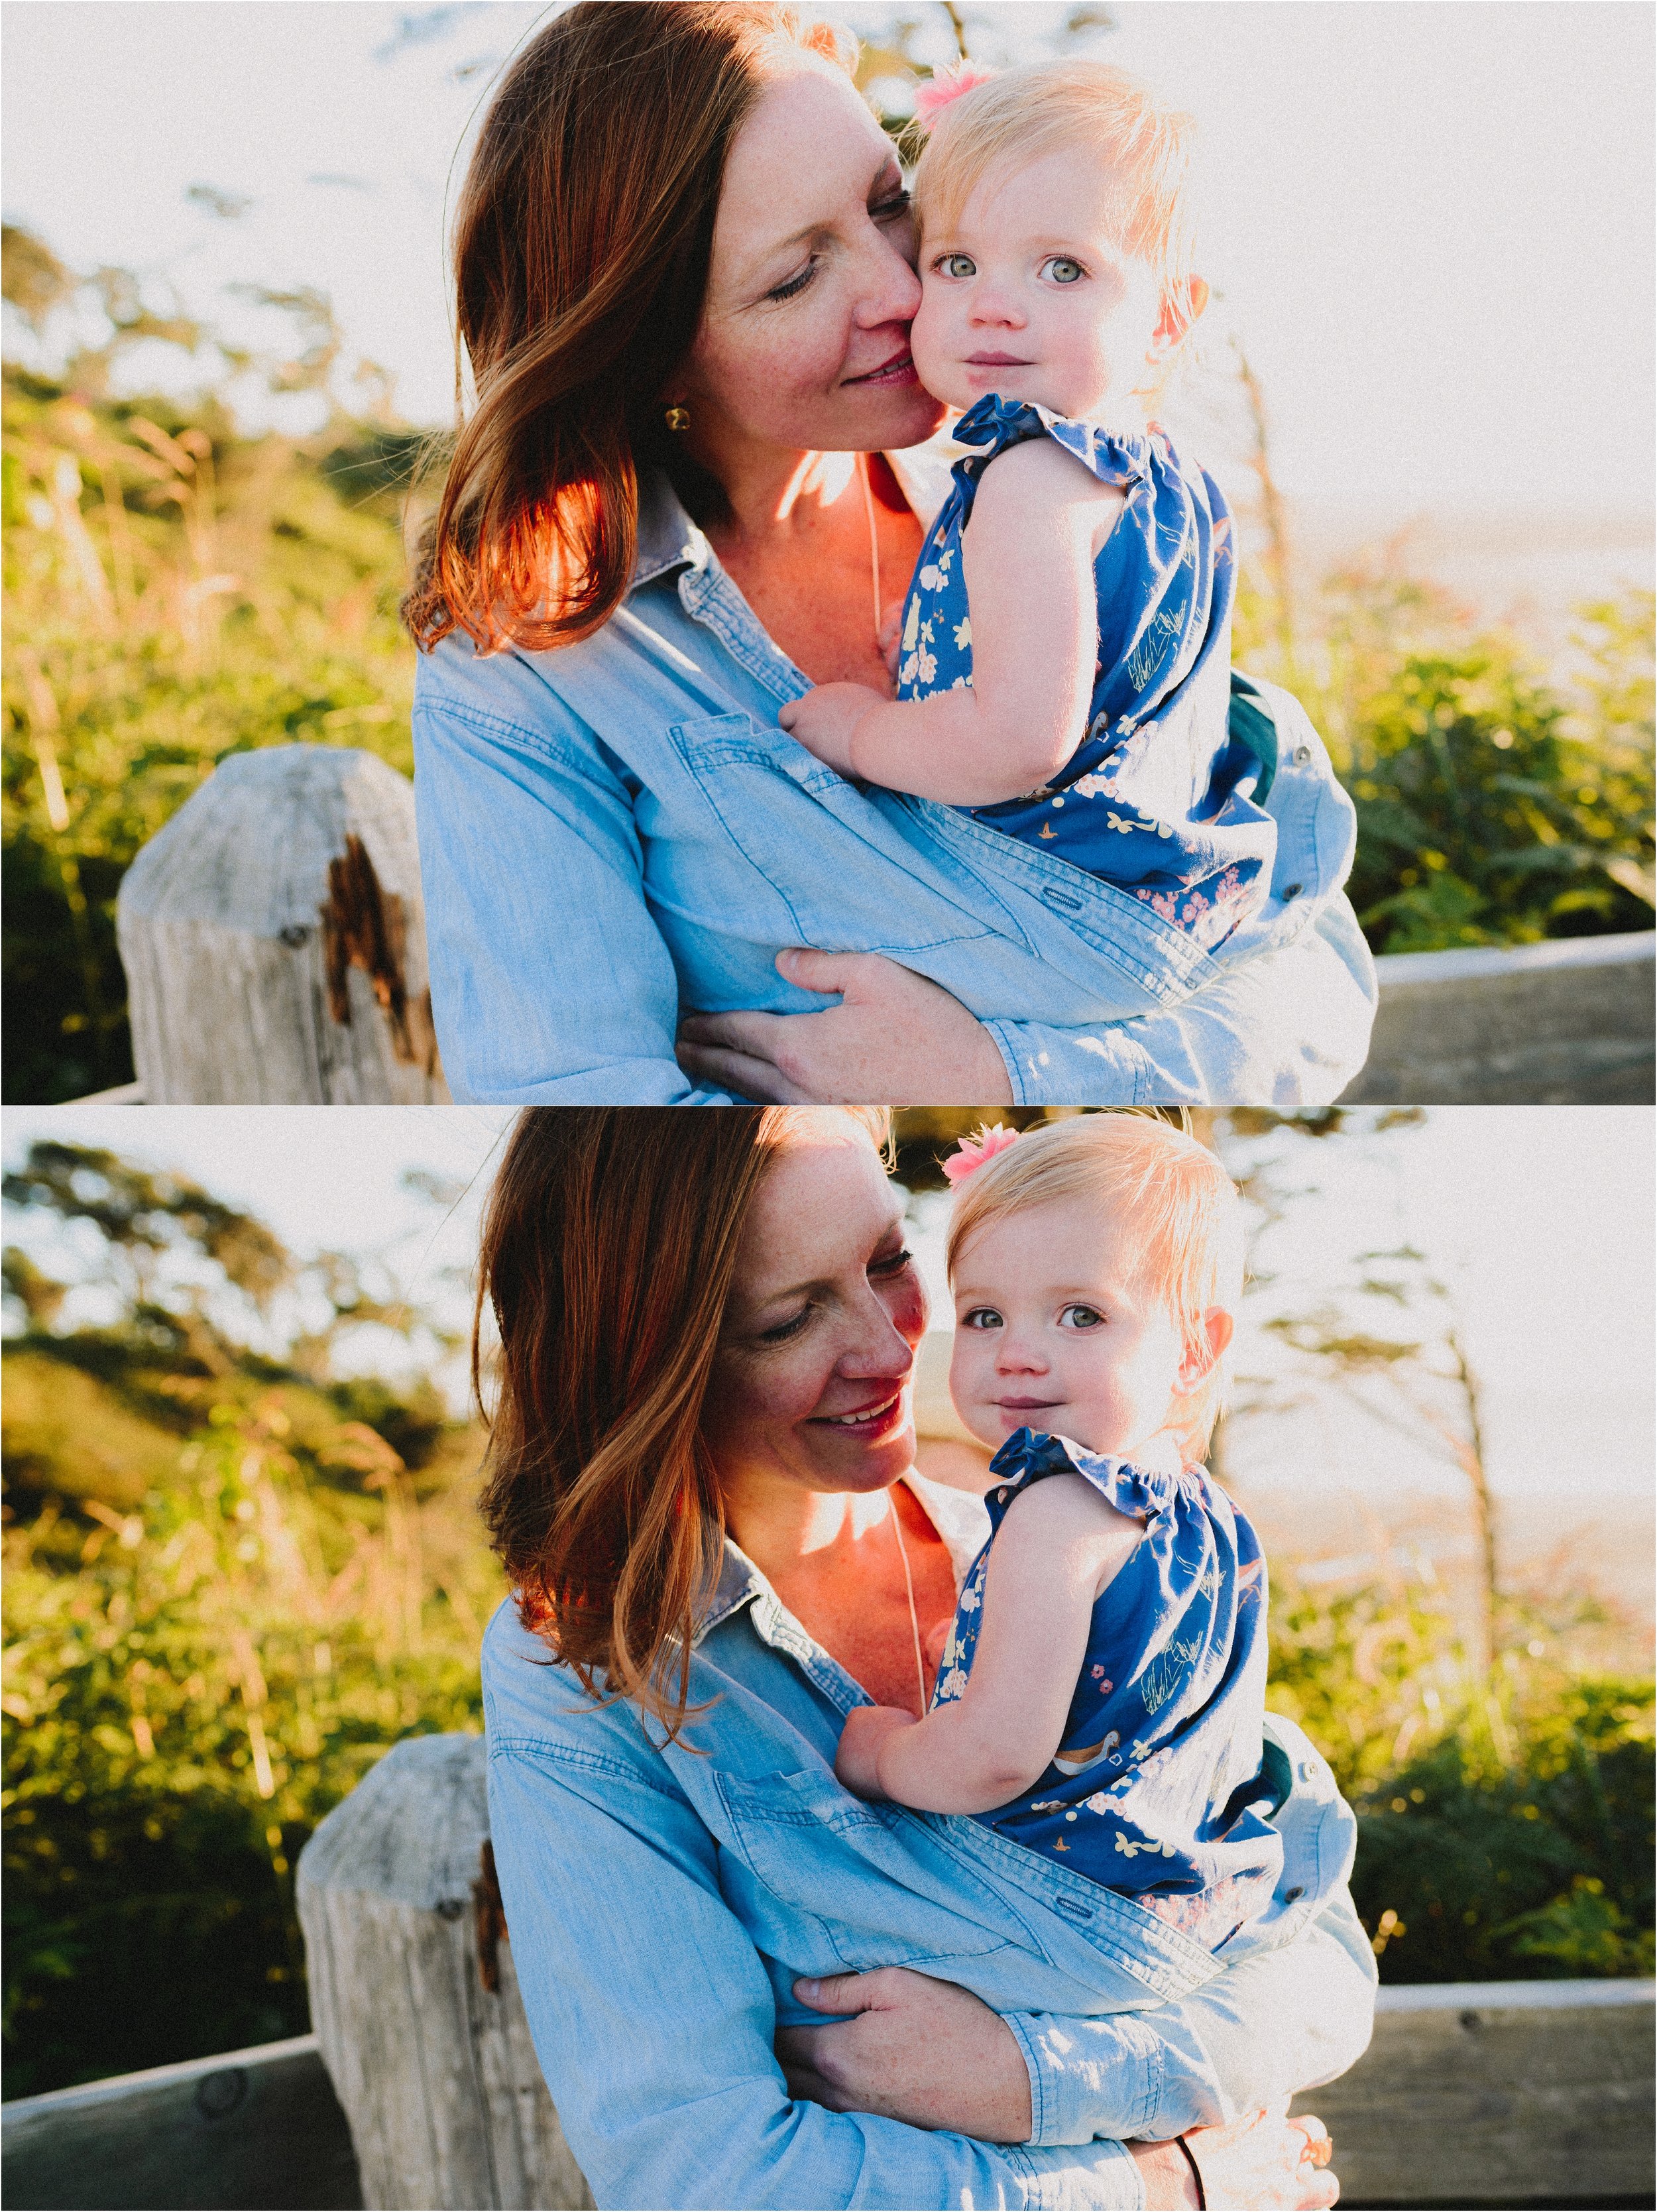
[(532, 1702)]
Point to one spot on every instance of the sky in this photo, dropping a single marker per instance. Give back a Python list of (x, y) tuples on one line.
[(1431, 224), (1539, 1217)]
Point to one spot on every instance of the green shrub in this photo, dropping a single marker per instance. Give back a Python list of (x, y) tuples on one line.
[(187, 1692)]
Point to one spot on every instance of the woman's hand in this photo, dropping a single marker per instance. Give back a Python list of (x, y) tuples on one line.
[(913, 2049), (1267, 2161), (894, 1036)]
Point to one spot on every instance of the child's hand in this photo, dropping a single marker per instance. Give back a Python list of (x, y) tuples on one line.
[(823, 720), (889, 637), (867, 1727)]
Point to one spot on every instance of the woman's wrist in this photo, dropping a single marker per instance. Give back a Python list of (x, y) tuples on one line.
[(1167, 2175)]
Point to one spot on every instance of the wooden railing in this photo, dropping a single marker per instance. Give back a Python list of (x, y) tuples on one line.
[(274, 941), (420, 2088)]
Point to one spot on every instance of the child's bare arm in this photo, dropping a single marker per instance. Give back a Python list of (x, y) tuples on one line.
[(1057, 1548), (1038, 520)]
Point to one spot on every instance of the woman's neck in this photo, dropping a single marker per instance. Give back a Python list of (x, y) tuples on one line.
[(836, 1562), (812, 541), (774, 495)]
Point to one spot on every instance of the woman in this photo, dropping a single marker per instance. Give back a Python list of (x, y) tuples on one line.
[(683, 255), (702, 1485)]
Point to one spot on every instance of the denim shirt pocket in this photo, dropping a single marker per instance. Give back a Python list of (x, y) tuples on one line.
[(817, 843), (845, 1869)]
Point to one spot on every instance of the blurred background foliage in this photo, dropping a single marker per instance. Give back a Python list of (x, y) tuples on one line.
[(235, 1574)]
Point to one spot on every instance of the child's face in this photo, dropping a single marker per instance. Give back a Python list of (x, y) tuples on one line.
[(1030, 293), (1053, 1332)]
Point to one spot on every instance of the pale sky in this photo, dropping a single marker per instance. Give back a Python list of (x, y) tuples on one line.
[(1541, 1215), (1431, 223)]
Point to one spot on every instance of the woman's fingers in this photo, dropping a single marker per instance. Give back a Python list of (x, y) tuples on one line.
[(844, 1993), (1319, 2149), (757, 1080)]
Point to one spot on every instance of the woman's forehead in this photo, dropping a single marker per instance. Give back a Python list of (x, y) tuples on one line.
[(809, 148), (823, 1200)]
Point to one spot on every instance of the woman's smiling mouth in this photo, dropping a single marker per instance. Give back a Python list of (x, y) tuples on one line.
[(900, 369), (867, 1420)]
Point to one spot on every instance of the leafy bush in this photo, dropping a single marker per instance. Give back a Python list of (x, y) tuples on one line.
[(176, 593), (1504, 1826), (185, 1696)]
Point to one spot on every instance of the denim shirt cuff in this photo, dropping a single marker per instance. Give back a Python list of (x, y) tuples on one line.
[(1067, 2185), (1046, 1067), (1077, 2093)]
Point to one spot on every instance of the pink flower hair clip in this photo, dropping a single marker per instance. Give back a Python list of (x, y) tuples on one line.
[(934, 94), (970, 1154)]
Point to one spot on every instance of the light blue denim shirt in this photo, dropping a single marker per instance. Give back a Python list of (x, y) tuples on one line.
[(619, 831), (661, 1902)]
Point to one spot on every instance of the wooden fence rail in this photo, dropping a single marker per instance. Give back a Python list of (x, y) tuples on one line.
[(274, 941), (1494, 2093)]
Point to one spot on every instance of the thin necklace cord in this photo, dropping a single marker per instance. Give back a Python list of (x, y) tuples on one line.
[(914, 1617)]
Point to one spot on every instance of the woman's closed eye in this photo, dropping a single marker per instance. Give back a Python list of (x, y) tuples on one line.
[(794, 285), (891, 207)]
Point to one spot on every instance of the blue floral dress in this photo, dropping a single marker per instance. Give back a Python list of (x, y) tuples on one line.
[(1159, 1789), (1154, 800)]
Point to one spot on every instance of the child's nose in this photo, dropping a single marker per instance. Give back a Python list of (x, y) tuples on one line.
[(991, 307), (1015, 1355)]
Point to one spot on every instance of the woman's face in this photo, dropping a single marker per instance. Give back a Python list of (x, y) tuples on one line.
[(812, 1383), (804, 342)]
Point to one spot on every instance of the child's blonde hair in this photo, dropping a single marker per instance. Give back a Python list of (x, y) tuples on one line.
[(1042, 108), (1180, 1199)]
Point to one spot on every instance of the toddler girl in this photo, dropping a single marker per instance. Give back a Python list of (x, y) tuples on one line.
[(1063, 672), (1100, 1697)]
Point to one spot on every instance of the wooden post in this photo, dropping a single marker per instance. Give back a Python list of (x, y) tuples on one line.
[(413, 1996), (274, 939)]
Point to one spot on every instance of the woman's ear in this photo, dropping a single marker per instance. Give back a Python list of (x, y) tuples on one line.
[(1203, 1356)]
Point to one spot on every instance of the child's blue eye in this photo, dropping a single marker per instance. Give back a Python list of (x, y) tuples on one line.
[(955, 264), (1081, 1317), (981, 1317), (1063, 271)]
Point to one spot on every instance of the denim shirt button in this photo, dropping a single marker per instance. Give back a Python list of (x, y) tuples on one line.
[(1289, 1895), (1292, 891), (1302, 754)]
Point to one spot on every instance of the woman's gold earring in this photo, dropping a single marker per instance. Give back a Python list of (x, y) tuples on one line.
[(678, 418)]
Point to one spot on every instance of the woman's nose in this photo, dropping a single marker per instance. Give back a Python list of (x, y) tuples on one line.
[(885, 1343), (890, 291)]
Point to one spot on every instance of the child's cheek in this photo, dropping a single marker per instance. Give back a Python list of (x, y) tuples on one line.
[(929, 342)]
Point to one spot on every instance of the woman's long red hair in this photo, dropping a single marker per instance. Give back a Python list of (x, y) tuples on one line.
[(581, 251), (609, 1249)]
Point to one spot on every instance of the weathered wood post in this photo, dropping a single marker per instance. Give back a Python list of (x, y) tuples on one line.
[(274, 939), (413, 1996)]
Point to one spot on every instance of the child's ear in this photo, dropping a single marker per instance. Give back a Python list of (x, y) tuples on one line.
[(1202, 1357), (1180, 311)]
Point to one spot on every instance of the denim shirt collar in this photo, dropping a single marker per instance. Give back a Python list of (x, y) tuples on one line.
[(958, 1515)]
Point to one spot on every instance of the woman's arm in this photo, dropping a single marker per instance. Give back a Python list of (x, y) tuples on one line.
[(550, 983), (1058, 1547), (923, 2051), (1245, 1035), (653, 2020), (1038, 520)]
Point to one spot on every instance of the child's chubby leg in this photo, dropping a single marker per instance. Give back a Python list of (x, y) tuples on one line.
[(1058, 1547)]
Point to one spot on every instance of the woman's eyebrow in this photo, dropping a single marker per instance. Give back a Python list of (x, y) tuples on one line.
[(893, 1232)]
